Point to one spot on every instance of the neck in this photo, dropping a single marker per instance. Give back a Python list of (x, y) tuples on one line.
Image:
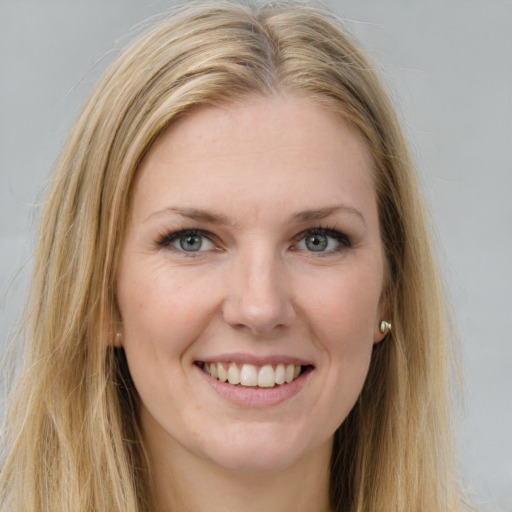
[(186, 483)]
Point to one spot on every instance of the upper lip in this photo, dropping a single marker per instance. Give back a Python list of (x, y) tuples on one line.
[(255, 360)]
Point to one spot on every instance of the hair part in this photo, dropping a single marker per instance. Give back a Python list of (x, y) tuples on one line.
[(73, 437)]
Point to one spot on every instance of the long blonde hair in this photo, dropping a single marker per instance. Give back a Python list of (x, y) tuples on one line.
[(72, 441)]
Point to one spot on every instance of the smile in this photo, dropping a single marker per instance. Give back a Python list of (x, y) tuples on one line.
[(250, 375)]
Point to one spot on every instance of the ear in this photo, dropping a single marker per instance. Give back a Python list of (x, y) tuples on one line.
[(118, 338), (383, 320), (113, 329), (114, 326)]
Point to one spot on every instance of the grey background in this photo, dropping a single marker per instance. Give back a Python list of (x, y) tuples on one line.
[(448, 65)]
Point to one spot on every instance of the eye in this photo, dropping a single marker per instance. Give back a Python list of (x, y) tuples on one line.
[(188, 240), (322, 240)]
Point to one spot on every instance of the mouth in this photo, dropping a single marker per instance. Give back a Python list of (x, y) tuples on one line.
[(254, 376)]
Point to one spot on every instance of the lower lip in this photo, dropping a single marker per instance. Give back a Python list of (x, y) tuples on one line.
[(254, 396)]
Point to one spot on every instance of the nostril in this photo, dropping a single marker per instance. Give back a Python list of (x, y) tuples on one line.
[(259, 316)]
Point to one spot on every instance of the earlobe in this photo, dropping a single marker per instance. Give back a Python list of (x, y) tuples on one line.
[(118, 340), (384, 311), (383, 331), (112, 332)]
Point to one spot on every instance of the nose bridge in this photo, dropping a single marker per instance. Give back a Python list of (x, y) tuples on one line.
[(259, 293)]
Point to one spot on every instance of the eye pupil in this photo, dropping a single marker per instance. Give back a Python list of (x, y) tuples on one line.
[(191, 242), (317, 242)]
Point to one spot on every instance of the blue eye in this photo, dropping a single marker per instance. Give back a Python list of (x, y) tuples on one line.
[(189, 240), (190, 243), (322, 240)]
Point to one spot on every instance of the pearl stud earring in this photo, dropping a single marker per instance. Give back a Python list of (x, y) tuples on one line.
[(385, 327)]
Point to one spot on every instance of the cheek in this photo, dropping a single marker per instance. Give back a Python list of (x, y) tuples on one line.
[(343, 315), (345, 309), (163, 313), (163, 308)]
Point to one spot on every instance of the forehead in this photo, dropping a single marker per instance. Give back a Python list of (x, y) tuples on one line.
[(240, 149)]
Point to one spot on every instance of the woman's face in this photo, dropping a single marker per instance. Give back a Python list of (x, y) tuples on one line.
[(253, 254)]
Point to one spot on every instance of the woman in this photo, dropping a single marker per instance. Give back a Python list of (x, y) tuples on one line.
[(235, 305)]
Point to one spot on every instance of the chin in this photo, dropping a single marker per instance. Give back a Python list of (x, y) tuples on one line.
[(261, 450), (254, 461)]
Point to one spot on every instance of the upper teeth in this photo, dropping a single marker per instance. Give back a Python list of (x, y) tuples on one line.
[(266, 376)]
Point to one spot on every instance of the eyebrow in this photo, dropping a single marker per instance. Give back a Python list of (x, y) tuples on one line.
[(196, 214), (212, 217), (322, 213)]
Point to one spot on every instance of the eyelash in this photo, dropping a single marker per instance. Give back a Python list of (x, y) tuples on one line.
[(166, 239), (340, 237)]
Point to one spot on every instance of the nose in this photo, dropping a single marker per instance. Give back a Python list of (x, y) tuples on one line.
[(258, 297)]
